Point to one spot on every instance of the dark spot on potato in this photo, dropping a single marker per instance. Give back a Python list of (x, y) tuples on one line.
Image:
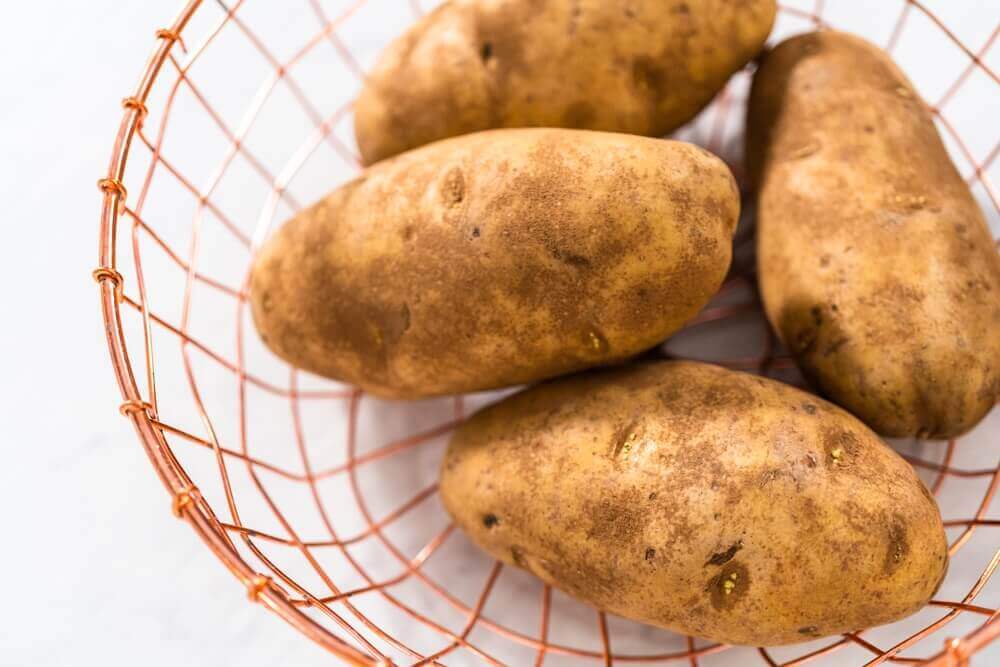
[(652, 496), (595, 341), (517, 555), (811, 511), (393, 324), (801, 324), (729, 586), (809, 408), (840, 447), (572, 259), (475, 232), (858, 517), (809, 630), (805, 340), (407, 233), (898, 546), (649, 76), (769, 476), (650, 553), (623, 441), (486, 52), (817, 314), (617, 517), (491, 521), (802, 151), (723, 557), (453, 187), (682, 8)]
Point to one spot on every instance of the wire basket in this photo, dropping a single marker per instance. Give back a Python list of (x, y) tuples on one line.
[(322, 500)]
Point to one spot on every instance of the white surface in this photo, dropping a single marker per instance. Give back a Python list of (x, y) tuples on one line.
[(95, 568)]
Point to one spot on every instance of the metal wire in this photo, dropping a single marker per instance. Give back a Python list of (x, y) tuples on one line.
[(327, 608)]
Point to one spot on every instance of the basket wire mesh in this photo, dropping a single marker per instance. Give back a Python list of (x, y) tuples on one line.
[(250, 474)]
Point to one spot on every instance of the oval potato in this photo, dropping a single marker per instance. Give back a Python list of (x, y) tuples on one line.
[(876, 265), (643, 67), (706, 501), (497, 259)]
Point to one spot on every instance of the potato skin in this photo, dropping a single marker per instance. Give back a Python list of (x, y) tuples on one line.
[(498, 259), (644, 67), (643, 490), (876, 265)]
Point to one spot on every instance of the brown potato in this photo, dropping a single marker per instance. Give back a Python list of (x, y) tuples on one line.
[(876, 265), (710, 502), (498, 259), (642, 67)]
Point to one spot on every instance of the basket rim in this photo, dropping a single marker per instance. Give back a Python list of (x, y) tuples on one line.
[(260, 587), (187, 504)]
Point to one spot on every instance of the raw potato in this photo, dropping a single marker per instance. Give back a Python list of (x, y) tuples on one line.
[(498, 259), (642, 67), (709, 502), (876, 266)]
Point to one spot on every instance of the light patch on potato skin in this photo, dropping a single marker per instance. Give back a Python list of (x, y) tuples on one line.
[(643, 67), (726, 521), (877, 268), (497, 259)]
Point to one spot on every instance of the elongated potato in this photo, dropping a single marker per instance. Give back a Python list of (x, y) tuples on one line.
[(498, 259), (642, 67), (876, 266), (706, 501)]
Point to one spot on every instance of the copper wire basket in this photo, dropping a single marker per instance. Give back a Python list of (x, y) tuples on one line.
[(321, 500)]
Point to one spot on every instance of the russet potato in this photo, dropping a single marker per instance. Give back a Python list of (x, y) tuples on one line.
[(497, 259), (876, 265), (640, 67), (706, 501)]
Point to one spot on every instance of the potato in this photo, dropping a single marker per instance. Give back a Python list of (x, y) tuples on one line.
[(709, 502), (876, 265), (643, 67), (497, 259)]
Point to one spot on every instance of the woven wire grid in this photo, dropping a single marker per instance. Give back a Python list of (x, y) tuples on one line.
[(321, 500)]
